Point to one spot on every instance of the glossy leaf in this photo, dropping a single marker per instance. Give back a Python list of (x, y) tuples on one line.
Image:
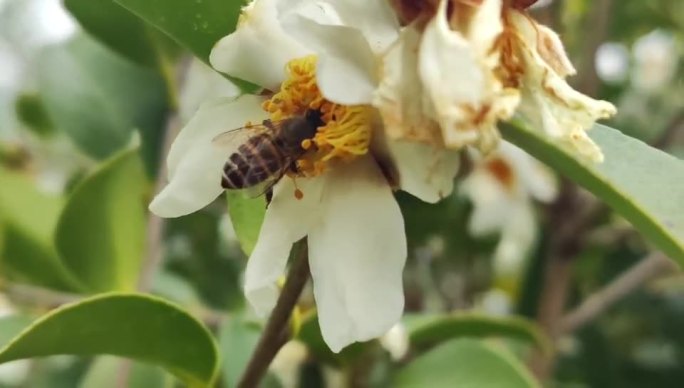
[(27, 223), (100, 234), (246, 214), (641, 183), (310, 334), (464, 363), (425, 331), (117, 28), (12, 325), (195, 25), (99, 99), (127, 325)]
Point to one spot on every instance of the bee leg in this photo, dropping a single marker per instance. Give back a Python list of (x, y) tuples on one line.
[(269, 196)]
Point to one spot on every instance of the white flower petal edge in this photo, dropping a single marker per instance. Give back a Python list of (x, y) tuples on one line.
[(345, 72), (259, 49), (547, 100), (357, 254), (195, 161), (425, 171), (457, 72), (348, 37)]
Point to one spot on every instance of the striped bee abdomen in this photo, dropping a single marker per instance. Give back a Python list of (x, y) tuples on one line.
[(254, 162)]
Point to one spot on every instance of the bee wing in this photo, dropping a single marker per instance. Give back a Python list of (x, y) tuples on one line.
[(232, 139)]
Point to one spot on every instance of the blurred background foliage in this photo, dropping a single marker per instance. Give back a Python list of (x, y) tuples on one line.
[(82, 125)]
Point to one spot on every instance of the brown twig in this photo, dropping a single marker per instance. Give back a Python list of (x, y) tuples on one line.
[(599, 24), (653, 266), (274, 335)]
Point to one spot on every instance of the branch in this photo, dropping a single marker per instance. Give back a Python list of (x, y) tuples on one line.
[(274, 336), (653, 266)]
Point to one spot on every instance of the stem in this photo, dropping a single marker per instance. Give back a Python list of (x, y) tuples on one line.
[(274, 336), (653, 266)]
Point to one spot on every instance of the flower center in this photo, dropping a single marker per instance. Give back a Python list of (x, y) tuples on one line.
[(346, 130)]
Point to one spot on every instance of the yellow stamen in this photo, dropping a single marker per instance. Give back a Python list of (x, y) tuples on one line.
[(346, 130)]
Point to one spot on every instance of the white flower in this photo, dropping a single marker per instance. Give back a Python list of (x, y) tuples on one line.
[(538, 62), (356, 238), (396, 341), (288, 362), (502, 188), (457, 63), (656, 58)]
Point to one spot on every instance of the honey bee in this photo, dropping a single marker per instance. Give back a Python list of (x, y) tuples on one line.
[(266, 151)]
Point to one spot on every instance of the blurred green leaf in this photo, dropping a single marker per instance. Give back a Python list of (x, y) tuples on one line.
[(133, 326), (99, 99), (641, 183), (195, 253), (247, 215), (141, 375), (428, 330), (28, 218), (196, 25), (117, 28), (12, 325), (464, 363), (310, 334), (100, 234), (31, 111), (237, 340)]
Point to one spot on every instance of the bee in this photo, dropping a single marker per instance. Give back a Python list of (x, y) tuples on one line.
[(266, 151)]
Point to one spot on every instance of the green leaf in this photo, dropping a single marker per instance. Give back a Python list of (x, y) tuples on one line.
[(641, 183), (196, 25), (140, 376), (27, 224), (247, 215), (425, 331), (139, 327), (31, 112), (12, 325), (117, 28), (310, 334), (100, 234), (99, 99), (464, 363), (237, 340)]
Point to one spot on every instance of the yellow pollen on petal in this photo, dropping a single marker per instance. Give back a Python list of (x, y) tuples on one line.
[(346, 130)]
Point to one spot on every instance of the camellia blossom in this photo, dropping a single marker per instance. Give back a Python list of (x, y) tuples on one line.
[(341, 196), (502, 188), (534, 60)]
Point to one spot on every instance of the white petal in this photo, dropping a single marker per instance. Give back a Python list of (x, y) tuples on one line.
[(548, 102), (202, 84), (287, 220), (195, 163), (537, 180), (357, 255), (517, 236), (491, 203), (400, 97), (375, 19), (425, 171), (346, 70), (466, 96), (259, 49)]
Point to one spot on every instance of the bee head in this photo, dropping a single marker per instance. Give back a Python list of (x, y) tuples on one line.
[(313, 118)]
